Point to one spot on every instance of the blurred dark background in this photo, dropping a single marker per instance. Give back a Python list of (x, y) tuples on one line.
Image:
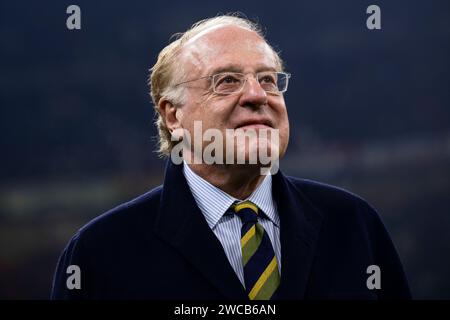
[(369, 112)]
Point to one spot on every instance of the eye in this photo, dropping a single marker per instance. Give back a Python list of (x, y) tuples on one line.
[(228, 83), (227, 79), (267, 79)]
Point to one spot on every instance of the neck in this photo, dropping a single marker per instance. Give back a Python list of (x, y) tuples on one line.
[(239, 181)]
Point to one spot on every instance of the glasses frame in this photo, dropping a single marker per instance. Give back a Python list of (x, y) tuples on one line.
[(255, 75)]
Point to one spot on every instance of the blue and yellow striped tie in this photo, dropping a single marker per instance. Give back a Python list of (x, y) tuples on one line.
[(261, 274)]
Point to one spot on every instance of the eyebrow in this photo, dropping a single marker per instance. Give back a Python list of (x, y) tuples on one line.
[(237, 68)]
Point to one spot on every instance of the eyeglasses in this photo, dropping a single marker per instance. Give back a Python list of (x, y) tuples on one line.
[(233, 82)]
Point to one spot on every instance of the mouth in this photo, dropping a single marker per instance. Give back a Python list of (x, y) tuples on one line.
[(255, 124)]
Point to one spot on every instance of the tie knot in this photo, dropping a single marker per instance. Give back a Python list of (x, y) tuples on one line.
[(247, 211)]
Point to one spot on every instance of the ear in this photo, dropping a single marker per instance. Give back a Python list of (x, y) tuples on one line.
[(168, 112)]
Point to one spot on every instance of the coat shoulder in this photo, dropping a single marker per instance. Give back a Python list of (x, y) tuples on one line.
[(330, 199), (125, 217), (323, 189)]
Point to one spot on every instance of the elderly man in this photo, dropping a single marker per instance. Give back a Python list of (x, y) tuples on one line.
[(224, 228)]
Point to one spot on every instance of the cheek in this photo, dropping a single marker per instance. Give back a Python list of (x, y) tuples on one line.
[(189, 114), (279, 111), (283, 124), (217, 111), (200, 116)]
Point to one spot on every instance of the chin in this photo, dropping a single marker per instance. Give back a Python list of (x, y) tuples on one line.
[(261, 153)]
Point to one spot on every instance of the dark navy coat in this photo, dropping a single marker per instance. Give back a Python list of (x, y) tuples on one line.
[(159, 246)]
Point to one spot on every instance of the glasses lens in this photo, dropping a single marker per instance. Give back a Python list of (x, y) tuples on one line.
[(273, 81), (282, 82), (268, 81), (228, 82)]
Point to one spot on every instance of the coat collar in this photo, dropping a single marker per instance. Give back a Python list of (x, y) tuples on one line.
[(299, 232), (181, 223)]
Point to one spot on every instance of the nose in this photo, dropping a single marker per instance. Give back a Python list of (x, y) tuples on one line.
[(252, 94)]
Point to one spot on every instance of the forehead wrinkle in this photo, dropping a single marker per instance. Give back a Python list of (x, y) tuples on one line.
[(197, 54), (231, 67), (202, 53), (197, 48), (212, 28), (193, 58)]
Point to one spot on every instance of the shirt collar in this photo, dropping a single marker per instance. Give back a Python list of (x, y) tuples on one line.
[(214, 203)]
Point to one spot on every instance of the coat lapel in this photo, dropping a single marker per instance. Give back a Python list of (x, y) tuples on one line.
[(299, 231), (181, 223)]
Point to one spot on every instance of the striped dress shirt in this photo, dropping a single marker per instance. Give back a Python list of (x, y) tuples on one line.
[(214, 203)]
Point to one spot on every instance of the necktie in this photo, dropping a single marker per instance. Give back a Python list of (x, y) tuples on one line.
[(258, 257)]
